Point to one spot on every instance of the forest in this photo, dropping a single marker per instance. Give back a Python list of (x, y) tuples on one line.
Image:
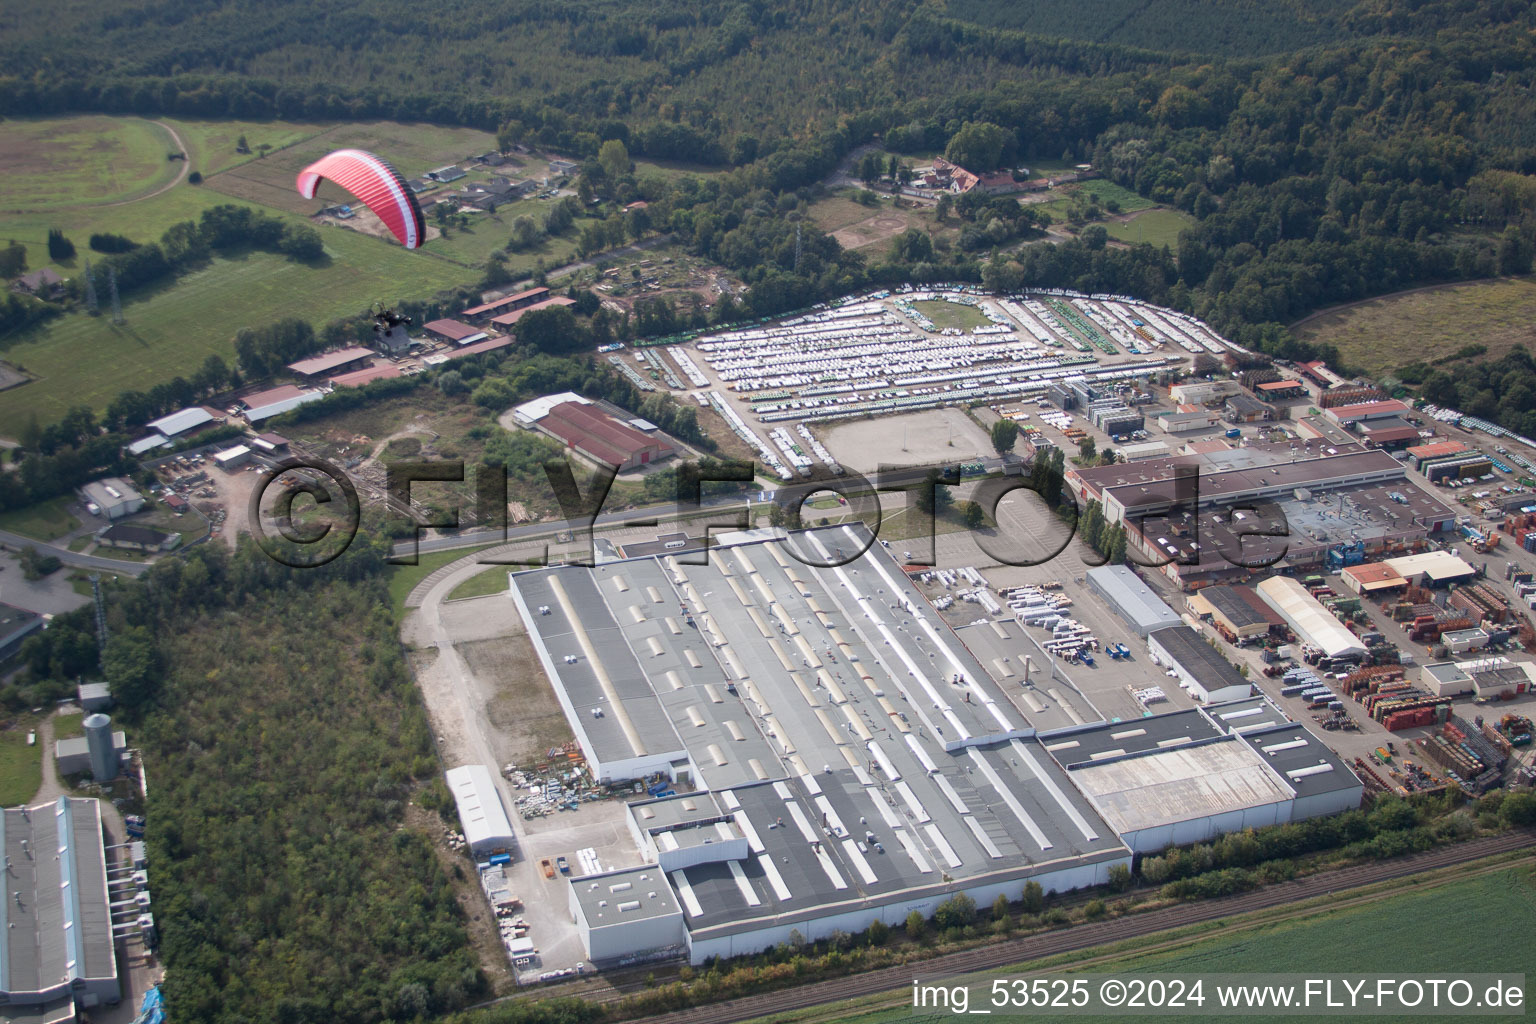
[(266, 851)]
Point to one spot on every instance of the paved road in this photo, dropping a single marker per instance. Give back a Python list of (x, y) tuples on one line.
[(75, 558), (637, 516)]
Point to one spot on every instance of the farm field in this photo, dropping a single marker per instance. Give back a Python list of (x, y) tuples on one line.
[(1159, 227), (82, 360), (413, 149), (1348, 940), (61, 162), (1439, 320), (211, 144)]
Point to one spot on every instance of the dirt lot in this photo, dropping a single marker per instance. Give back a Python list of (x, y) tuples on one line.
[(931, 437), (521, 710)]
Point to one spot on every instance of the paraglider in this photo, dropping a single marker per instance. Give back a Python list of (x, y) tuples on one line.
[(371, 179)]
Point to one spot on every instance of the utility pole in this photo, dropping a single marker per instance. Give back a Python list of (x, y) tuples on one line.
[(117, 303), (90, 291), (101, 619)]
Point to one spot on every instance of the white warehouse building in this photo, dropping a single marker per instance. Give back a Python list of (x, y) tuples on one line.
[(1313, 623), (487, 829)]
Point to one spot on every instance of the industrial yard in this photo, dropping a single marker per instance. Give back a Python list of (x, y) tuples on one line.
[(771, 742)]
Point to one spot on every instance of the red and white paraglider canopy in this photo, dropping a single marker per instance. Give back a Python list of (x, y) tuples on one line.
[(377, 184)]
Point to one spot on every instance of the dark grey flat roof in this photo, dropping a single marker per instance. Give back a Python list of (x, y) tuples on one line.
[(1198, 658), (1292, 749), (1233, 608), (1136, 735)]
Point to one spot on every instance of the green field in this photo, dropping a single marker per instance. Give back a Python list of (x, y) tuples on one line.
[(403, 578), (1404, 933), (490, 580), (413, 149), (951, 314), (210, 145), (65, 162), (46, 520), (21, 766), (1160, 226), (1372, 334), (80, 359), (1104, 191), (57, 177)]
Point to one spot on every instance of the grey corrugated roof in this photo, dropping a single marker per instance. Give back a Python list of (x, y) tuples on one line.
[(1198, 658), (1131, 598), (60, 928)]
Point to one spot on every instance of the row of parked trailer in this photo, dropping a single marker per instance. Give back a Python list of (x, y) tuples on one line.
[(1304, 683), (768, 454)]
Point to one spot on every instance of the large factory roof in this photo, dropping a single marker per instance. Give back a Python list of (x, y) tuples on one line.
[(827, 703), (1198, 658), (1306, 615), (624, 896), (58, 927), (1180, 783)]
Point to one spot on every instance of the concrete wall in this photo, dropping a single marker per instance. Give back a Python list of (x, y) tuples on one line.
[(1198, 830), (626, 938), (1324, 804)]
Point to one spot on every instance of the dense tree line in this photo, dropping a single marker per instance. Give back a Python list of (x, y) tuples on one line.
[(282, 780), (1500, 390)]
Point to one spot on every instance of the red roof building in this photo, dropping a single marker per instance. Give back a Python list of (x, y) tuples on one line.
[(509, 302), (508, 319), (349, 358), (281, 393), (599, 436), (357, 378), (452, 330), (490, 344)]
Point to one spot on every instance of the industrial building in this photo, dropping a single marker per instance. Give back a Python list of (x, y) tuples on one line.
[(455, 331), (1484, 677), (518, 300), (1231, 610), (1372, 578), (100, 751), (487, 829), (586, 427), (1187, 417), (1204, 392), (1201, 669), (113, 496), (133, 537), (353, 357), (16, 624), (1345, 415), (1312, 623), (232, 458), (263, 405), (1192, 775), (183, 421), (56, 943), (1432, 568), (1131, 598), (863, 762)]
